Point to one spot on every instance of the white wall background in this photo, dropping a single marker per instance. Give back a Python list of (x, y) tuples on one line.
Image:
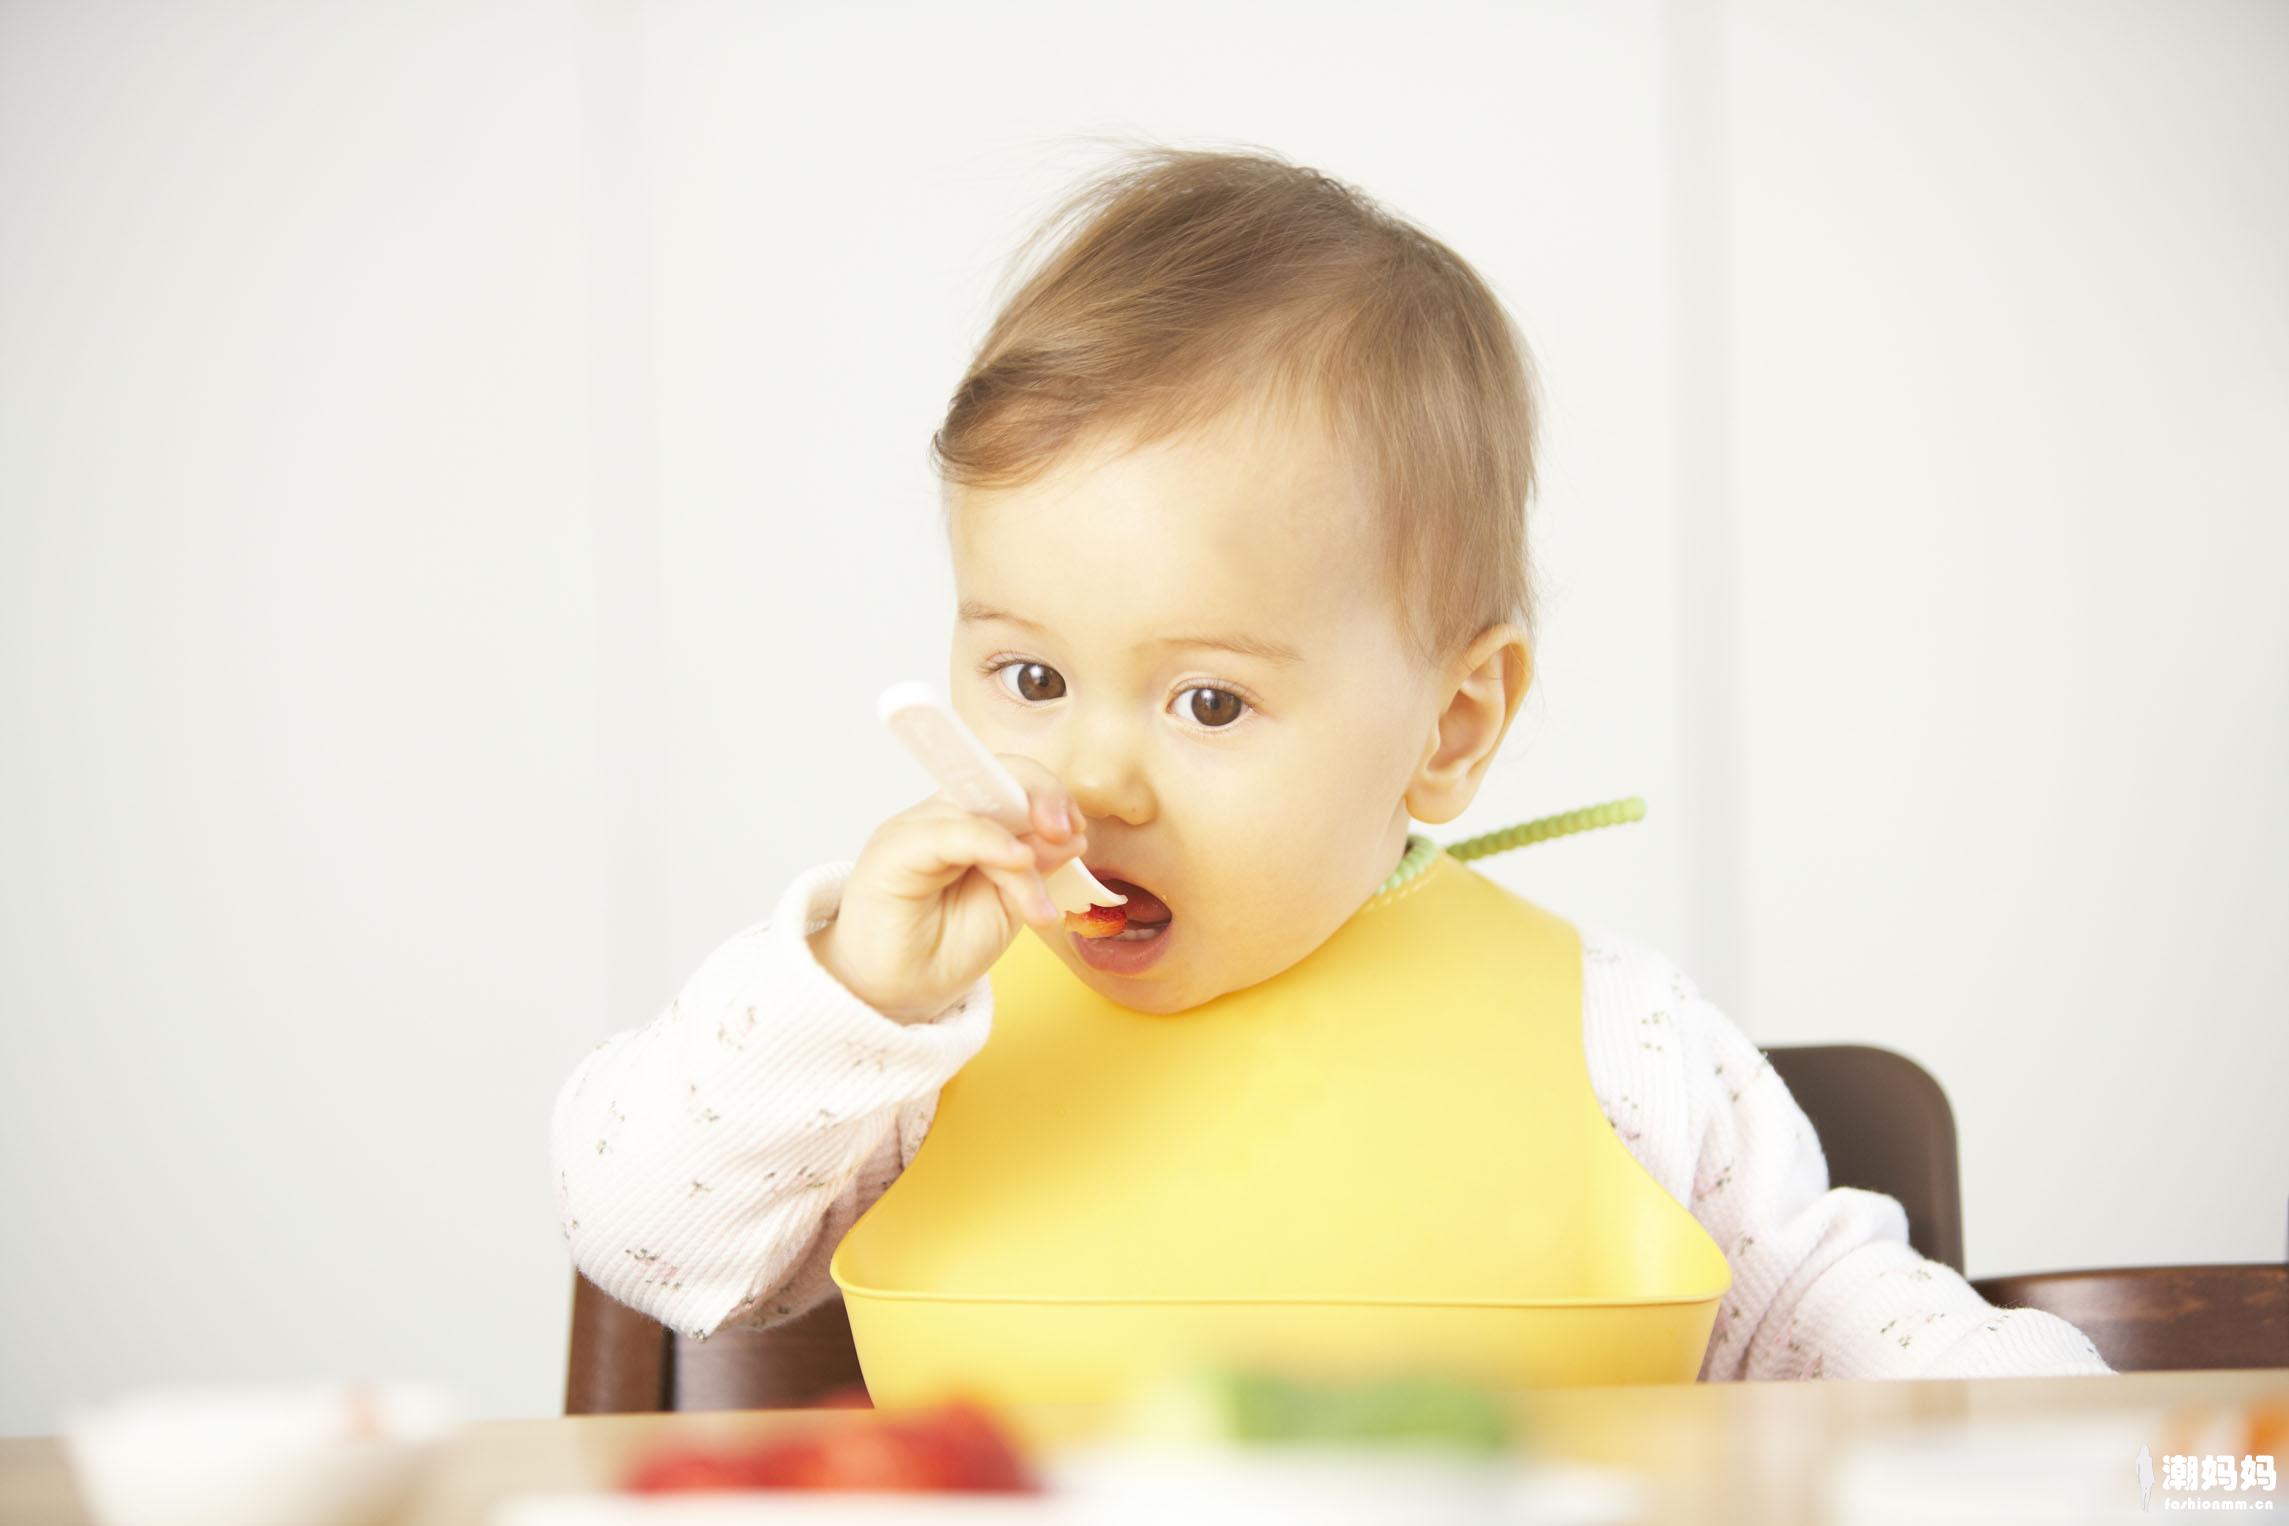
[(462, 483)]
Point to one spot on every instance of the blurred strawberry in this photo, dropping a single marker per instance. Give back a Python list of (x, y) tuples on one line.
[(957, 1446), (676, 1468), (865, 1456), (971, 1450)]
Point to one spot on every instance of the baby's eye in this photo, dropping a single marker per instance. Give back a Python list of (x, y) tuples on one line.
[(1213, 708), (1032, 682)]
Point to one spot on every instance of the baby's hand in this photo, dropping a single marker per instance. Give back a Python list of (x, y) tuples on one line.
[(937, 894)]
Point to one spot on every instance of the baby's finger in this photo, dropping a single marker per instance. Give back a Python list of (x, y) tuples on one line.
[(1042, 853), (1024, 894), (929, 851), (1056, 818)]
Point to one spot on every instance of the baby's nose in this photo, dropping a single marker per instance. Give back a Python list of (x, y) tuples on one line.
[(1110, 794), (1102, 764)]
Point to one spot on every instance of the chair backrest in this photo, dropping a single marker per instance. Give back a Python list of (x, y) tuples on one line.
[(2164, 1318), (623, 1361), (620, 1360), (1885, 1126), (1882, 1119)]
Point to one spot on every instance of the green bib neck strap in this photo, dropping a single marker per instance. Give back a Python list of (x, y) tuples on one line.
[(1420, 849)]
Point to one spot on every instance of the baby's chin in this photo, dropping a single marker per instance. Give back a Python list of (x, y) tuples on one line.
[(1139, 995), (1159, 990), (1202, 955), (1189, 977), (1170, 985)]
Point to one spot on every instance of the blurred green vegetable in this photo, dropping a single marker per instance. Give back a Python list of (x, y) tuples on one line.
[(1256, 1407)]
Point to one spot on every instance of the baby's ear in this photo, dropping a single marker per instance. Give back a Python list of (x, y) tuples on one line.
[(1484, 688)]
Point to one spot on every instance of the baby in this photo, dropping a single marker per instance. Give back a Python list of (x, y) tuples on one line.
[(1235, 491)]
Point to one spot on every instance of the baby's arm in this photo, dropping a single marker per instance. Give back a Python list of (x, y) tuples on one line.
[(1824, 1281), (709, 1162)]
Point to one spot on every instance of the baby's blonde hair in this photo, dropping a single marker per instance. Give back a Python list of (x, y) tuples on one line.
[(1197, 282)]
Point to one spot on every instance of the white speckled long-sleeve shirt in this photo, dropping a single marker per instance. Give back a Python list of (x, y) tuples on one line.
[(709, 1162)]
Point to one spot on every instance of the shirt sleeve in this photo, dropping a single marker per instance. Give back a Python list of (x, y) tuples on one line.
[(709, 1162), (1824, 1281)]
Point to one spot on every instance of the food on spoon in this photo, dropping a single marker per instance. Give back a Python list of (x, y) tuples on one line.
[(1142, 915), (1097, 921)]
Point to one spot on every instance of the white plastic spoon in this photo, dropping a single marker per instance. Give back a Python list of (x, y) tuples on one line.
[(975, 780)]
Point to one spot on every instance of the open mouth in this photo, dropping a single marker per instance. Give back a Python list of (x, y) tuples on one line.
[(1123, 939), (1144, 915)]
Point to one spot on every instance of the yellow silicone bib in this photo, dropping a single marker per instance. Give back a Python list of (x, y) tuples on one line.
[(1385, 1158)]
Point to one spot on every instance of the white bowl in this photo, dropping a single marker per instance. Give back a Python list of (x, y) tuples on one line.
[(344, 1454), (1333, 1484)]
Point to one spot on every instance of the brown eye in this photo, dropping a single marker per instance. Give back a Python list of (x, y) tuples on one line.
[(1033, 682), (1214, 707)]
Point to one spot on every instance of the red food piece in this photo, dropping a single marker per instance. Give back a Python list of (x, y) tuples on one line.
[(957, 1446), (977, 1452), (847, 1457), (1097, 921), (677, 1468)]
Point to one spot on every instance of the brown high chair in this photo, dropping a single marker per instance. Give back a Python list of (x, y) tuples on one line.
[(1882, 1119), (2165, 1318)]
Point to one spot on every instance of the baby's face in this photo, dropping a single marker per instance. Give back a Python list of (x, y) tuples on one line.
[(1200, 642)]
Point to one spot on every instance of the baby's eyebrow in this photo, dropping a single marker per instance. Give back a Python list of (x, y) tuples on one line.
[(1245, 645), (972, 610)]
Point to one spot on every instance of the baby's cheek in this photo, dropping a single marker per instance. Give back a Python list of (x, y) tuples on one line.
[(1270, 914)]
